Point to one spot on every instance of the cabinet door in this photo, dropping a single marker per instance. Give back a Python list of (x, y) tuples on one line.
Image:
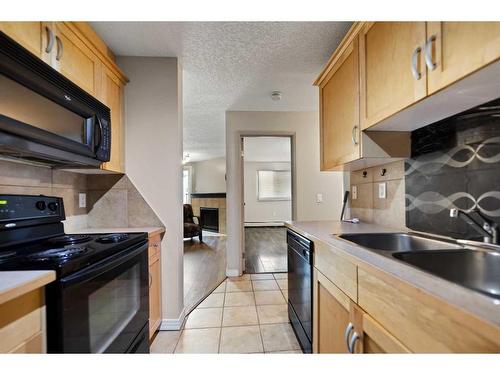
[(456, 49), (154, 297), (370, 337), (112, 95), (331, 309), (27, 34), (339, 111), (388, 83), (73, 59)]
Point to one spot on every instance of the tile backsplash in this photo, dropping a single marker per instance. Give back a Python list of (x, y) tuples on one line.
[(112, 200), (368, 207), (455, 163)]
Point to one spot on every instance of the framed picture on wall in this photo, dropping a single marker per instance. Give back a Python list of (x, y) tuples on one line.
[(274, 185)]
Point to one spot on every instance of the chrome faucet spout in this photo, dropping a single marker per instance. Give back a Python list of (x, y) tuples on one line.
[(488, 228)]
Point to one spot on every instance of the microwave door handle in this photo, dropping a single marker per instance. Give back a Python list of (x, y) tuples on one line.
[(104, 266), (99, 125)]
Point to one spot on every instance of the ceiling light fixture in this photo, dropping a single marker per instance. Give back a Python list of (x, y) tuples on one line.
[(276, 95)]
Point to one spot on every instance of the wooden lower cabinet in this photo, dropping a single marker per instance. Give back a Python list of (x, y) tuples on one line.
[(341, 326), (154, 284), (22, 324)]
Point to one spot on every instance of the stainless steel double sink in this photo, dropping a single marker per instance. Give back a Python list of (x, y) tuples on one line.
[(474, 268)]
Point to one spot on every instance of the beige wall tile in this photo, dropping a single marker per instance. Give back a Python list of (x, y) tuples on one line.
[(357, 177), (365, 196), (24, 175), (69, 180), (199, 341), (29, 190), (241, 340), (139, 212), (394, 171), (108, 209), (71, 201)]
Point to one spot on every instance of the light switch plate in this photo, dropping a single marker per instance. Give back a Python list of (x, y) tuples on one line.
[(382, 190), (354, 191), (82, 200), (319, 198)]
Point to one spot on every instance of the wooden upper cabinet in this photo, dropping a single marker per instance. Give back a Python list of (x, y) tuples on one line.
[(72, 58), (27, 34), (456, 49), (111, 94), (339, 110), (389, 53)]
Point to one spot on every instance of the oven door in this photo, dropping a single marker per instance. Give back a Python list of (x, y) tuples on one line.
[(103, 308)]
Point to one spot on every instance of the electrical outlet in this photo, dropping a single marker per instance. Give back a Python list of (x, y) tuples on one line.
[(354, 192), (382, 190), (82, 200), (319, 198)]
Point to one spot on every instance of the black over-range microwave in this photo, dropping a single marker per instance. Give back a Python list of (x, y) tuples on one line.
[(44, 117)]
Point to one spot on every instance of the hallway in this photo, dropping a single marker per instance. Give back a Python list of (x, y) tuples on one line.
[(265, 249)]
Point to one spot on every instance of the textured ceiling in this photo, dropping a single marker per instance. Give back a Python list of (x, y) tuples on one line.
[(232, 66)]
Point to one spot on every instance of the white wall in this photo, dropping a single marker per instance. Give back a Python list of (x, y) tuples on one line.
[(309, 181), (263, 211), (209, 176), (153, 116)]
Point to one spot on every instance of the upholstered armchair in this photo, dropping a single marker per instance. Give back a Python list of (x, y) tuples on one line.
[(192, 225)]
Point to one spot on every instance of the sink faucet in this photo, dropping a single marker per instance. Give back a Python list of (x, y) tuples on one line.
[(489, 229)]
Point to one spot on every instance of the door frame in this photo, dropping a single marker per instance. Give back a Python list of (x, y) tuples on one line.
[(255, 134)]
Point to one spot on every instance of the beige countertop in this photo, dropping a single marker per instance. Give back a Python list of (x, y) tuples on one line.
[(16, 283), (475, 303), (152, 231)]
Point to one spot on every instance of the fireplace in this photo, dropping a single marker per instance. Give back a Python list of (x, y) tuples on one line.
[(209, 218)]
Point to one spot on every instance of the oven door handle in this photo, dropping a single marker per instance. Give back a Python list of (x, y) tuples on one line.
[(105, 265)]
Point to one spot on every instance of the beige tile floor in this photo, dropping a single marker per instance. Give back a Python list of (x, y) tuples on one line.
[(247, 314)]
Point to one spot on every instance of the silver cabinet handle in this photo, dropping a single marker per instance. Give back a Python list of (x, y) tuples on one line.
[(50, 39), (431, 65), (414, 62), (347, 333), (60, 48), (354, 338), (353, 134)]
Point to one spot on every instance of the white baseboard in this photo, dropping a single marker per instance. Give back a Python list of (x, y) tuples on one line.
[(173, 324), (232, 272)]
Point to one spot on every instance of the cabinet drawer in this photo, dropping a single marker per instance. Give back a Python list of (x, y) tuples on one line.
[(336, 268), (418, 325), (20, 320), (33, 345)]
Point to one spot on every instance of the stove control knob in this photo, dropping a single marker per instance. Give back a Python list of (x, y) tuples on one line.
[(53, 206), (41, 205)]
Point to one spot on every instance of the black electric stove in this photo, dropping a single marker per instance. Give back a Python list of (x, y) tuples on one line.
[(99, 301)]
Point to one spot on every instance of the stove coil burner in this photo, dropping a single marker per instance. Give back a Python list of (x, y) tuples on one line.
[(70, 239), (116, 237), (64, 253)]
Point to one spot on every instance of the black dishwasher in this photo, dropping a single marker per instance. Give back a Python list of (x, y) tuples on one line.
[(300, 292)]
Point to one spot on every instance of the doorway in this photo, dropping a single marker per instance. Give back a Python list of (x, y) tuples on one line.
[(268, 201)]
